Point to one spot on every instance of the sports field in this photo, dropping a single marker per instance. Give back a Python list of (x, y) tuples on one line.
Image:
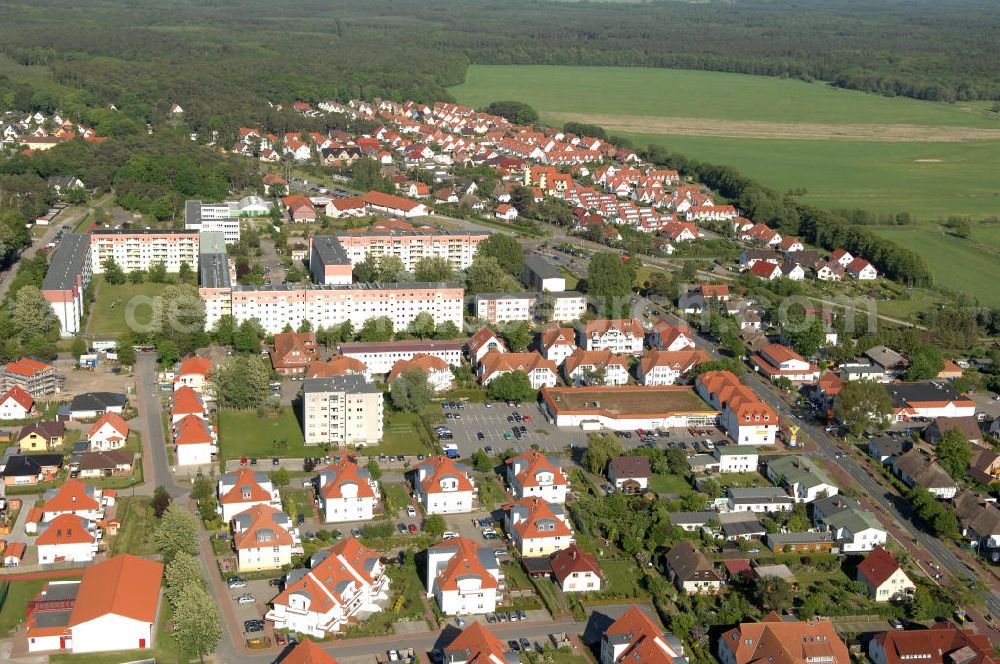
[(846, 148)]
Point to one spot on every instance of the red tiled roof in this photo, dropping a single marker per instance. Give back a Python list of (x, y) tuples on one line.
[(346, 472), (262, 518), (20, 396), (65, 529), (115, 420), (338, 365), (464, 563), (192, 430), (27, 367), (628, 326), (537, 462), (125, 585), (538, 510), (308, 652), (878, 566), (441, 467), (646, 642), (573, 559), (71, 497), (187, 402), (478, 645), (244, 479), (194, 365), (419, 362)]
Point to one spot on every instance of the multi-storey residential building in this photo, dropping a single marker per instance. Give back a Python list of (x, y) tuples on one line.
[(736, 458), (482, 342), (666, 367), (274, 307), (328, 261), (243, 489), (541, 372), (595, 367), (263, 537), (342, 410), (477, 645), (216, 276), (537, 528), (623, 336), (464, 577), (776, 361), (443, 486), (347, 492), (941, 643), (141, 249), (531, 474), (854, 528), (193, 372), (409, 245), (342, 584), (223, 217), (381, 357), (36, 378), (67, 280), (804, 480), (747, 419), (563, 306), (557, 343), (664, 335)]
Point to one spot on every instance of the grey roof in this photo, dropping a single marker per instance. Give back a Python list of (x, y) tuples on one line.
[(67, 262), (757, 493), (329, 249), (855, 520), (526, 295), (688, 563), (739, 528), (886, 357), (96, 401), (692, 518), (541, 268), (258, 477), (213, 270), (52, 618), (192, 213), (20, 465), (798, 538), (212, 242), (353, 383), (62, 590), (903, 393)]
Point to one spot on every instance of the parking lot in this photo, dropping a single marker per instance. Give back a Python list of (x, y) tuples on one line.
[(492, 422)]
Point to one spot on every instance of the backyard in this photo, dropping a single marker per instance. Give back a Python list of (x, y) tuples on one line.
[(246, 433), (138, 522)]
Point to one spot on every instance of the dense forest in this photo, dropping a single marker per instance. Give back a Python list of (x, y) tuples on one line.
[(221, 60)]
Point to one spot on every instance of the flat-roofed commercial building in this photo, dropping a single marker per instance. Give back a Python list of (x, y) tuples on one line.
[(627, 407)]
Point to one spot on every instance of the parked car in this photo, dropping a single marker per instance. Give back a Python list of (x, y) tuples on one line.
[(246, 598), (236, 582), (412, 528), (402, 528), (411, 511)]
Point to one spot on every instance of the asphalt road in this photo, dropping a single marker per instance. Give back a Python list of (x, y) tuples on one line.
[(148, 398)]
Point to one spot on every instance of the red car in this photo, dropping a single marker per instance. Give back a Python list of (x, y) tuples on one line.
[(527, 418), (280, 639), (412, 528)]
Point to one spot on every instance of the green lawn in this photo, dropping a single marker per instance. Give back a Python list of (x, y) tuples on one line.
[(402, 433), (20, 593), (297, 500), (491, 493), (108, 311), (664, 483), (958, 264), (244, 433), (138, 522), (621, 577), (865, 171)]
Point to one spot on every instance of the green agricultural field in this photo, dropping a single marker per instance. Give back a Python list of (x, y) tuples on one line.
[(846, 148), (959, 265), (111, 308)]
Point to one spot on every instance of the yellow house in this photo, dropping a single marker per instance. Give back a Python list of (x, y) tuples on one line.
[(41, 437)]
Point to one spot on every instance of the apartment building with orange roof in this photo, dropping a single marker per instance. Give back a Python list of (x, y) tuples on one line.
[(747, 419), (464, 577), (533, 474), (541, 372), (342, 584), (195, 441), (443, 486), (347, 492), (187, 402), (37, 378), (476, 644), (263, 538), (67, 538), (789, 641), (617, 335), (75, 497), (595, 367), (536, 527), (439, 376), (634, 637), (240, 490), (667, 367)]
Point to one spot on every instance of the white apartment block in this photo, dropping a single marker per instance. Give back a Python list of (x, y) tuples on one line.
[(537, 528), (66, 281), (564, 306), (342, 410), (381, 357), (329, 306), (141, 249), (411, 245), (619, 336), (243, 489)]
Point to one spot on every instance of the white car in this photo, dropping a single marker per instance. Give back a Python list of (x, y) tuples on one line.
[(246, 599), (449, 534), (411, 511)]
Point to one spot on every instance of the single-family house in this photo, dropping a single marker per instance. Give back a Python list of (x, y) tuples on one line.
[(883, 577)]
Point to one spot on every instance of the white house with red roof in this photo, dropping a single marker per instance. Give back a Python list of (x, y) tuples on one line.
[(67, 538), (464, 577), (443, 486), (439, 376), (536, 527), (343, 583), (195, 441), (193, 372), (347, 492), (533, 474), (777, 361), (109, 432), (15, 404), (557, 343), (595, 367), (634, 637), (263, 538), (241, 490), (664, 335), (187, 402), (576, 571), (747, 419), (541, 372), (482, 342), (861, 270), (885, 579), (112, 608), (842, 256), (477, 645), (75, 497), (616, 335), (666, 367)]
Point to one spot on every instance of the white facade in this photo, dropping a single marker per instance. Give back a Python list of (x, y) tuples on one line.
[(533, 474), (443, 486), (380, 358), (140, 250), (737, 459), (195, 454), (506, 307), (243, 489), (111, 632), (581, 582), (12, 410), (347, 492), (614, 339), (470, 584)]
